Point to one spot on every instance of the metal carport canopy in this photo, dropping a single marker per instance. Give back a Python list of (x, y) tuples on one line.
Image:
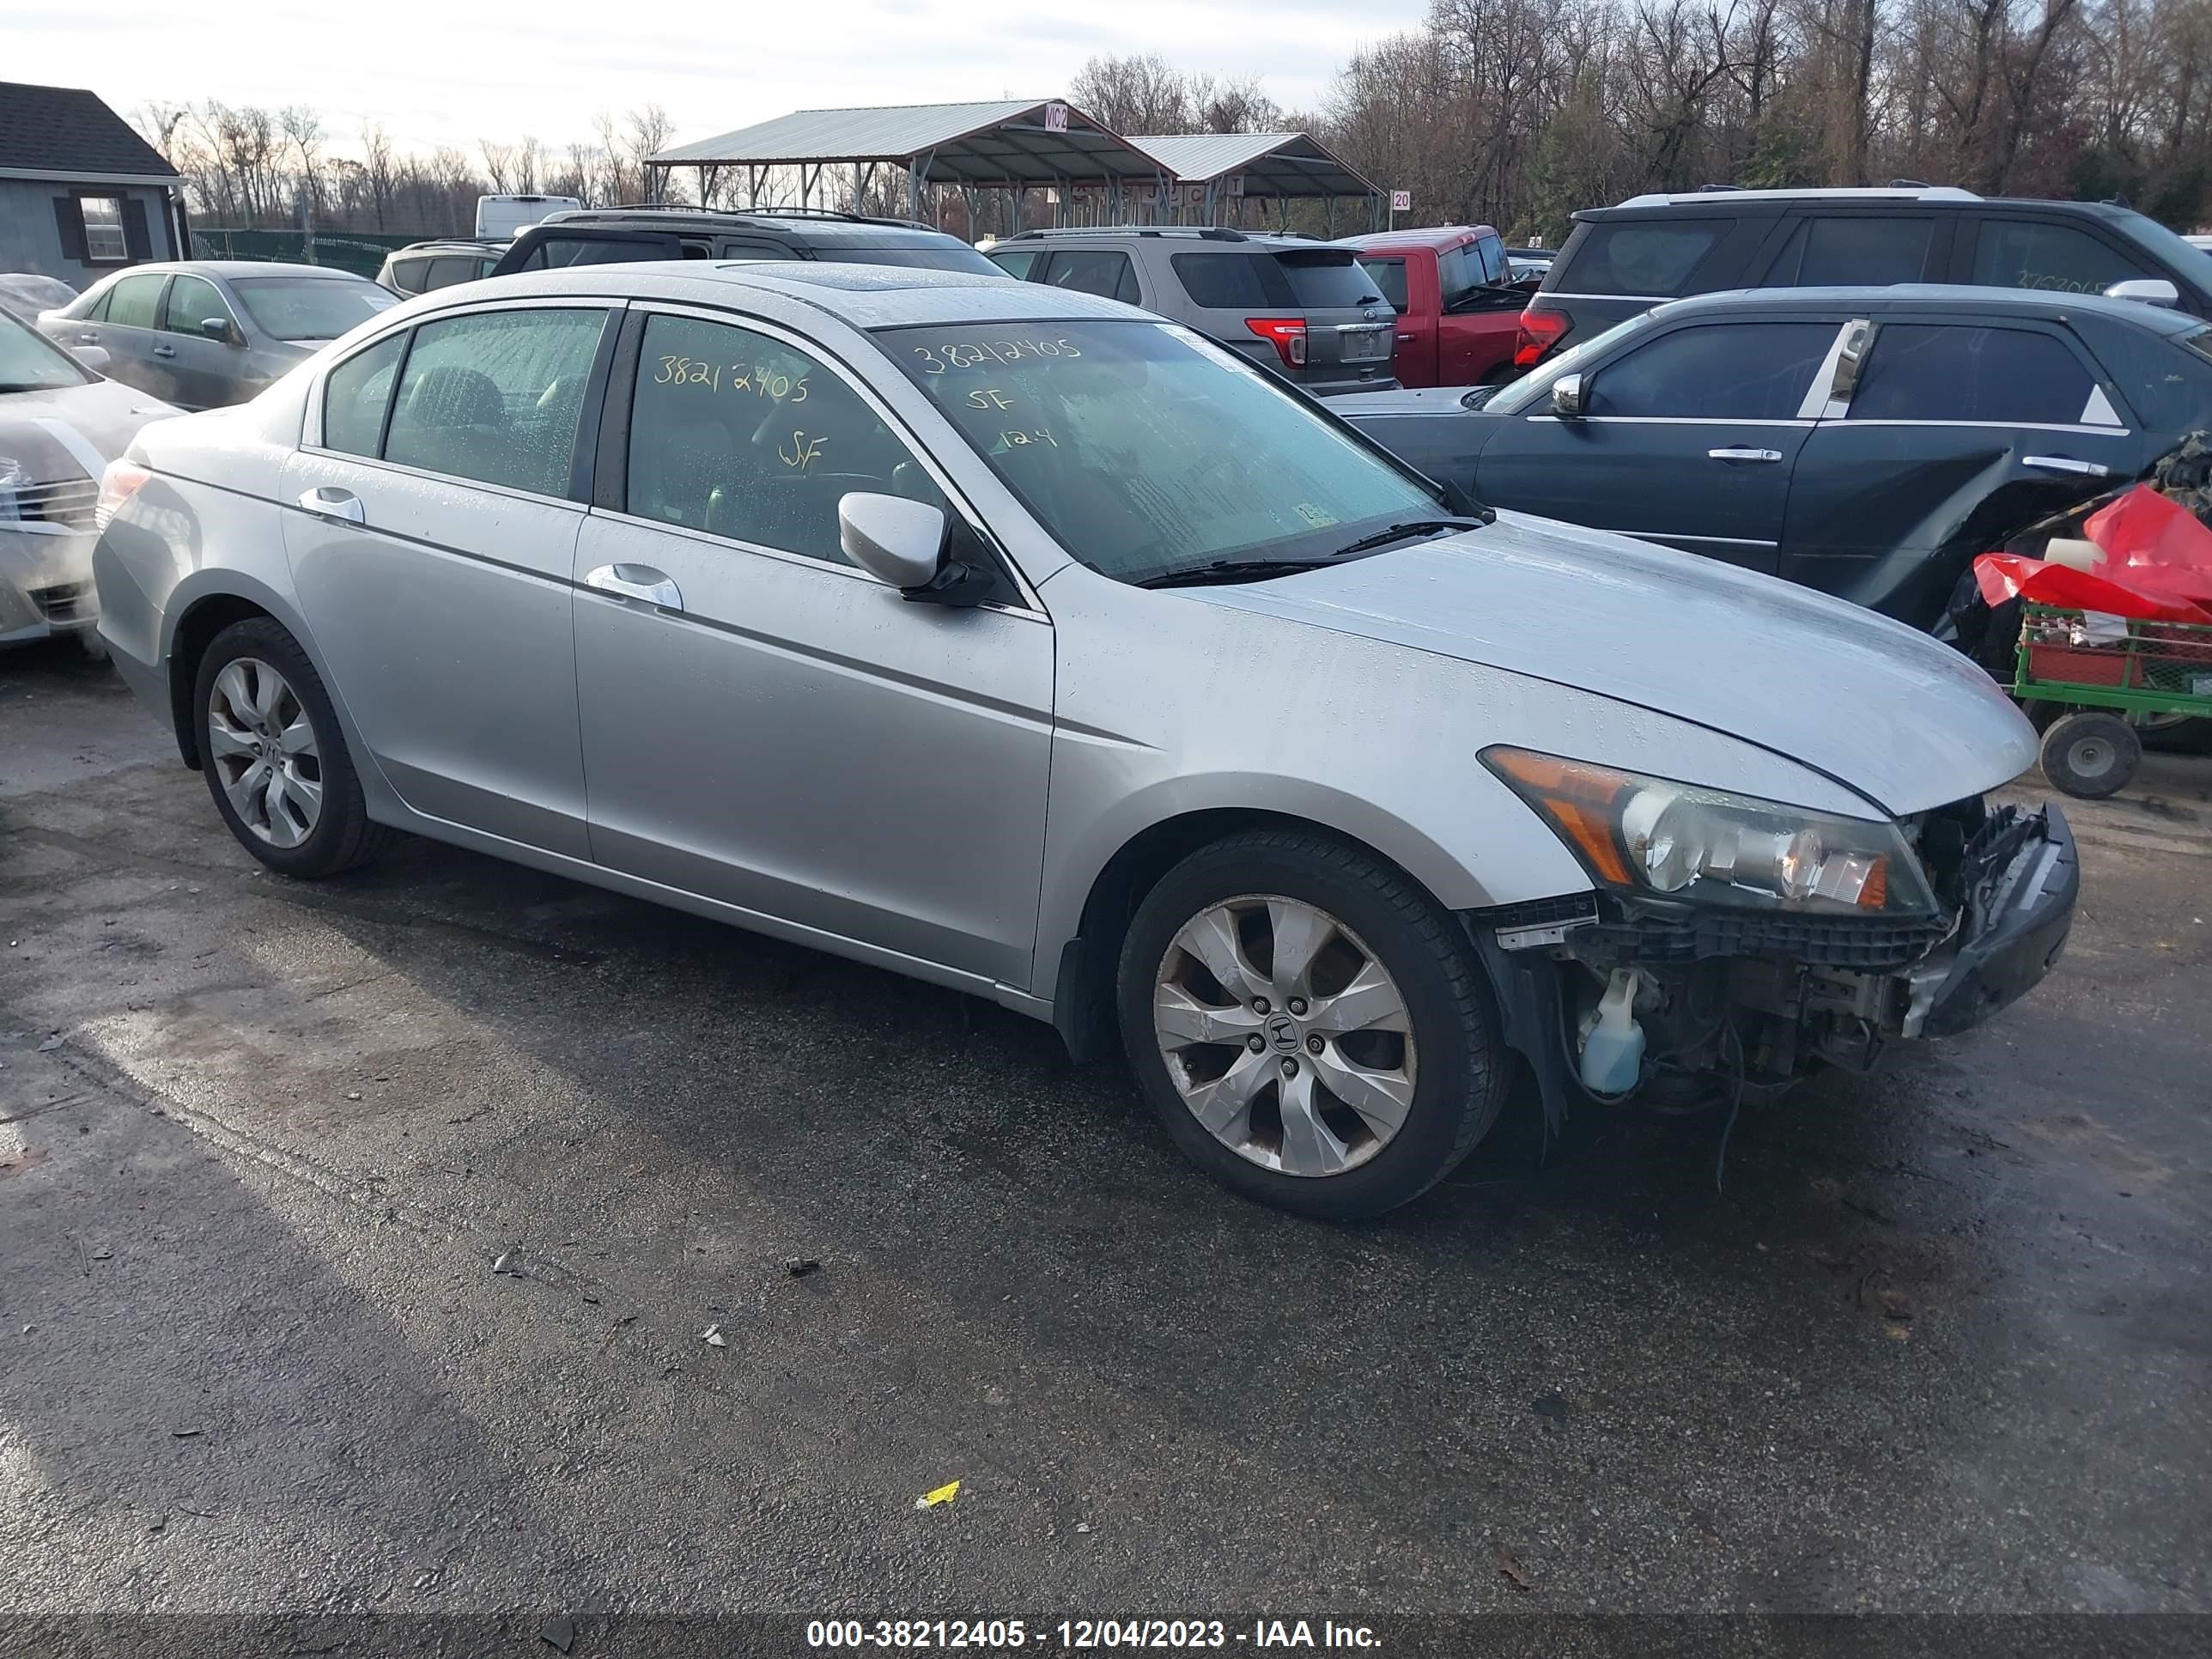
[(1270, 163), (1006, 142)]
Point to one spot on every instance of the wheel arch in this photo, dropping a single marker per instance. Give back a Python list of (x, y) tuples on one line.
[(1083, 1003), (197, 625)]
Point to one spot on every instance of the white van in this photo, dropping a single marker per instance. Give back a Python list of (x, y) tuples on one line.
[(499, 217)]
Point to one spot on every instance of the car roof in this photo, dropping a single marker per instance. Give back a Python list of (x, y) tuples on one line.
[(864, 295), (824, 230), (1437, 236), (1723, 200), (453, 245), (1940, 296), (230, 270)]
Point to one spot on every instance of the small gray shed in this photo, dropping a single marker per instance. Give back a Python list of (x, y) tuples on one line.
[(80, 193)]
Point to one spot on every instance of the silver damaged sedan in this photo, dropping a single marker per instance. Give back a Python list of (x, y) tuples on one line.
[(60, 424), (1023, 643)]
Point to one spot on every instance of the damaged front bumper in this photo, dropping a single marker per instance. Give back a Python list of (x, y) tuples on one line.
[(1760, 998), (46, 581)]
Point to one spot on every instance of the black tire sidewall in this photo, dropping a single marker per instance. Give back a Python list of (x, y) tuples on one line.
[(331, 845), (1454, 1042), (2071, 729)]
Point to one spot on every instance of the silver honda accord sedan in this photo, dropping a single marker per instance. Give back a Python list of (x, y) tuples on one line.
[(1022, 642)]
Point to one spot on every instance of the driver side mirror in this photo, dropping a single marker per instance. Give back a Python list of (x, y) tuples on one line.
[(903, 542), (94, 358), (2150, 290), (1567, 397), (218, 329)]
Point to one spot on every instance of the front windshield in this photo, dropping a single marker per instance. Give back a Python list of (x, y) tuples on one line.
[(1147, 453), (1537, 384), (311, 307), (30, 363), (2193, 262)]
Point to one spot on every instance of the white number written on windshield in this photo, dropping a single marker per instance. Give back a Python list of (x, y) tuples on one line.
[(989, 354)]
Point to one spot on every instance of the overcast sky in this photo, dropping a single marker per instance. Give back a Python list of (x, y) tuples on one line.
[(453, 72)]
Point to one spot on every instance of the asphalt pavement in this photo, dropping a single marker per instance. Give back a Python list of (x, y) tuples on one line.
[(359, 1242)]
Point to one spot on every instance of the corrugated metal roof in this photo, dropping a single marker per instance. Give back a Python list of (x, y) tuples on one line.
[(1272, 163), (967, 143)]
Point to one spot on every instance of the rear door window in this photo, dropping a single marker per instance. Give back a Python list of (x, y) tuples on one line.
[(2002, 376), (1016, 262), (1105, 272), (1460, 272), (1229, 281), (1388, 275), (1721, 372), (2028, 253), (134, 301), (444, 273), (356, 394), (496, 396), (555, 253), (1855, 250), (1647, 258), (1315, 283)]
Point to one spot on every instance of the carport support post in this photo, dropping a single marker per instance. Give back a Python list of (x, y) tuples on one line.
[(914, 175)]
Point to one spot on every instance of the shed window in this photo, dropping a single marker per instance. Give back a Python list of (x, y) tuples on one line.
[(103, 230)]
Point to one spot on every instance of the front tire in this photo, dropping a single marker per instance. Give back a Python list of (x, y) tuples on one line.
[(275, 757), (1308, 1025)]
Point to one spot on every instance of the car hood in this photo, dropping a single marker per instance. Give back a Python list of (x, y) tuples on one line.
[(1882, 709), (74, 431)]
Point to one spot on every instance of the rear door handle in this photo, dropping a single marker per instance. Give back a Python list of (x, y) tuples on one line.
[(636, 581), (328, 501), (165, 351), (1744, 454), (2067, 464)]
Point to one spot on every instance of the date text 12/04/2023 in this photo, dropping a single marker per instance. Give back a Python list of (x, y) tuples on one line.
[(1084, 1635)]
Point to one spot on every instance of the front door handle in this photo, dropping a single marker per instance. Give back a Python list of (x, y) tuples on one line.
[(2067, 464), (87, 337), (636, 581), (165, 351), (328, 501), (1744, 454), (1406, 336)]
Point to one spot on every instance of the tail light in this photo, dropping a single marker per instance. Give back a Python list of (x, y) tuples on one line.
[(1540, 329), (118, 484), (1286, 334)]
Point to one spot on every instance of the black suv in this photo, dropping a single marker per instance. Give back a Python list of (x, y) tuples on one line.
[(598, 236), (1621, 260)]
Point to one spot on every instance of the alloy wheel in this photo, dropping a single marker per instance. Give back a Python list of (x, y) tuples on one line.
[(1285, 1035), (264, 749)]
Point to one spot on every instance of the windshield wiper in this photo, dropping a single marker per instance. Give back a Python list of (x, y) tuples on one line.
[(1231, 570), (1399, 532)]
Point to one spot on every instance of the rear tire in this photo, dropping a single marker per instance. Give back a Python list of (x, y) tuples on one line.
[(2090, 754), (275, 757), (1378, 1066)]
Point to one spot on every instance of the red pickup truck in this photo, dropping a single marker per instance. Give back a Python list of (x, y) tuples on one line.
[(1458, 315)]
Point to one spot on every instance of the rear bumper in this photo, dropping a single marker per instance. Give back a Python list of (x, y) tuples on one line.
[(2012, 934)]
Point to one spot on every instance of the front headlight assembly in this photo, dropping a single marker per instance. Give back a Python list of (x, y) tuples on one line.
[(1658, 839)]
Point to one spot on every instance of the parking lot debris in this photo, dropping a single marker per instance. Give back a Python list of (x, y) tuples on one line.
[(799, 1266), (1083, 1526), (1509, 1568), (560, 1633), (50, 1044), (1550, 1405), (157, 1524), (186, 1434), (712, 1336), (504, 1263), (944, 1494)]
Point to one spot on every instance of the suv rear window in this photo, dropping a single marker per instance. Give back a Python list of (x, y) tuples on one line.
[(1316, 282), (1641, 258), (1226, 280)]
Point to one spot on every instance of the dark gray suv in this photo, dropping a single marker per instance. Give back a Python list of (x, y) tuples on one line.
[(1623, 259), (1307, 310)]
